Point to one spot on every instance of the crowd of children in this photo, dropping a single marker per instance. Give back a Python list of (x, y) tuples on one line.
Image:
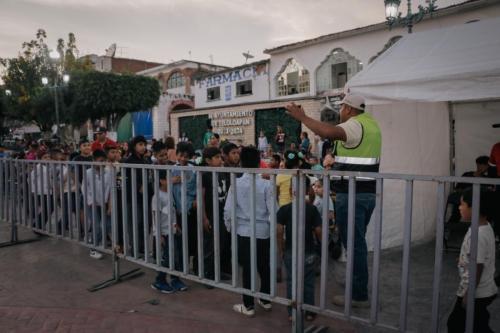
[(94, 195)]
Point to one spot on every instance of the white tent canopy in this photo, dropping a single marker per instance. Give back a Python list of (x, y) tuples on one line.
[(414, 89), (458, 63)]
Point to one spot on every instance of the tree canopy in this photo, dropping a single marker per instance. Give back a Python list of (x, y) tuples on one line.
[(89, 94), (98, 95), (29, 100)]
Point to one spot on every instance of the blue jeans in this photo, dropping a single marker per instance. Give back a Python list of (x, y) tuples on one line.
[(309, 276), (98, 224), (165, 259), (365, 204)]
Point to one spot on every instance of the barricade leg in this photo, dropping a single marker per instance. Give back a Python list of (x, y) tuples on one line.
[(117, 277), (10, 189)]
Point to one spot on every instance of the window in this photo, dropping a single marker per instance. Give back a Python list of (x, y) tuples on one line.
[(293, 79), (333, 73), (175, 80), (339, 75), (213, 94), (244, 88), (304, 81)]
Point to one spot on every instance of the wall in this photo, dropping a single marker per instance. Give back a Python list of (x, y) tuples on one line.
[(363, 46), (125, 65), (160, 117), (161, 112), (257, 73), (311, 106)]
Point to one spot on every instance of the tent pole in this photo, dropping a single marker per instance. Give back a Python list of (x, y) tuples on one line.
[(451, 118)]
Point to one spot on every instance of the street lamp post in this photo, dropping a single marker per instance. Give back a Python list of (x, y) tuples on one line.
[(54, 56), (394, 17)]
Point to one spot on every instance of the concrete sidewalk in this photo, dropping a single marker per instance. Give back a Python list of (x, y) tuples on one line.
[(43, 288)]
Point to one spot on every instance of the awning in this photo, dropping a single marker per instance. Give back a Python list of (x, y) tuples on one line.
[(458, 63)]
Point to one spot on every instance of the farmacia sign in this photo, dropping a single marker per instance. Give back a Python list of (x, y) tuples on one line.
[(245, 73)]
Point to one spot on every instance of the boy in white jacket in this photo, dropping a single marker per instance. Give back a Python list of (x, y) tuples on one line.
[(92, 188), (41, 180), (161, 202)]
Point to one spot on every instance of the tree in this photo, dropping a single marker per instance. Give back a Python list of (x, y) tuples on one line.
[(97, 95), (30, 100), (89, 95)]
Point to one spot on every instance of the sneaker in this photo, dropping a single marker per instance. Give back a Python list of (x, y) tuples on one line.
[(310, 316), (163, 287), (178, 285), (95, 254), (241, 308), (340, 301), (266, 306)]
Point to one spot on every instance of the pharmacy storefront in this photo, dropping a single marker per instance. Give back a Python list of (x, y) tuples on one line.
[(242, 123)]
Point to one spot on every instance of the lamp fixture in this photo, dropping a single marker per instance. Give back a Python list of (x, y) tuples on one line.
[(394, 16)]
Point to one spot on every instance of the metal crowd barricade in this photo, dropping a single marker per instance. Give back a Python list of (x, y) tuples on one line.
[(39, 195), (405, 278)]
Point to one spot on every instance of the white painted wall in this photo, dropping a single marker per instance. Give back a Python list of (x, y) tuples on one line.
[(160, 117), (363, 46), (260, 89), (178, 90)]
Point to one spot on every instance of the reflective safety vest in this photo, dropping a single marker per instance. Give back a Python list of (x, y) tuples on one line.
[(365, 157)]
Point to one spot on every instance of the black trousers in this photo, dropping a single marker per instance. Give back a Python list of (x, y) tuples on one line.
[(263, 266), (192, 224), (45, 208), (140, 227), (208, 245), (456, 320), (225, 249)]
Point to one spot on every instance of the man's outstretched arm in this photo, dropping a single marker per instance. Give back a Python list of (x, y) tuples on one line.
[(322, 129)]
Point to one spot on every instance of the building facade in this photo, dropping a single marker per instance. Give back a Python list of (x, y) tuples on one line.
[(177, 82), (237, 103), (241, 101)]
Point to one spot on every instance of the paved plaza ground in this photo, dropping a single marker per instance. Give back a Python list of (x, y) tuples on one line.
[(43, 289)]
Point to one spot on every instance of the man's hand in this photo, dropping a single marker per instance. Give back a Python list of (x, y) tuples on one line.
[(296, 111), (206, 224), (176, 179)]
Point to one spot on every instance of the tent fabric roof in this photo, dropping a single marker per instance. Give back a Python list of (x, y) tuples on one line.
[(458, 63)]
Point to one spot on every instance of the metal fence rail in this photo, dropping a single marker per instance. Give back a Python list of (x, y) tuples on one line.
[(104, 207)]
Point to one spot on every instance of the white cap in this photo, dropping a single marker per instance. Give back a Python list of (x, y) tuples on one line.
[(355, 101)]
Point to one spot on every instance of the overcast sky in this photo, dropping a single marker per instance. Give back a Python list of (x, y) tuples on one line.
[(168, 30)]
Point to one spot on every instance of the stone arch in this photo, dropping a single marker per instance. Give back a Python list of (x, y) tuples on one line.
[(387, 46), (292, 78), (334, 71), (181, 104)]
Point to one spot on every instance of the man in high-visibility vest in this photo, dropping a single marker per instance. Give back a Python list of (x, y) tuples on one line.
[(358, 146)]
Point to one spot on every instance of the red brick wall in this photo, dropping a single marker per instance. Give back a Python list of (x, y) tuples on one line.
[(123, 65)]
